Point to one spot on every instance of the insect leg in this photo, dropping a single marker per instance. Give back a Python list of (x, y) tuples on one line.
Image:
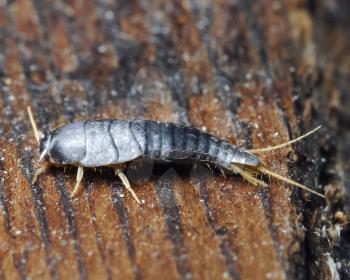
[(126, 183), (78, 186), (247, 175), (223, 172), (39, 171)]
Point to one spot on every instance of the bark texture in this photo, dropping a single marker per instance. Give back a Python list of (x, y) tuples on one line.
[(256, 73)]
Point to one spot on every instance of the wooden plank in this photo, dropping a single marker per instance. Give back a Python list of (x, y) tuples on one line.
[(247, 71)]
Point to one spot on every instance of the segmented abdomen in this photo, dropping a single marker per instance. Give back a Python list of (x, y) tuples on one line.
[(118, 141), (168, 141)]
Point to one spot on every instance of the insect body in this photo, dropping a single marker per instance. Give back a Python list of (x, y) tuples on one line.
[(111, 143)]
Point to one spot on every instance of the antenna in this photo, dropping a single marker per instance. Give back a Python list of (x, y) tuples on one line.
[(32, 121)]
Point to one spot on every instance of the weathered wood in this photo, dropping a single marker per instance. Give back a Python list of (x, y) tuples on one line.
[(256, 73)]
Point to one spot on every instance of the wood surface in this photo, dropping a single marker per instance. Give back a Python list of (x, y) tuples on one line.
[(256, 73)]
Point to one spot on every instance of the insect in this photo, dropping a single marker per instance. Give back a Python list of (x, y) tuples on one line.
[(112, 143)]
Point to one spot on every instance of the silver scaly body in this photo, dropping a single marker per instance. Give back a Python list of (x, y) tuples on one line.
[(107, 142)]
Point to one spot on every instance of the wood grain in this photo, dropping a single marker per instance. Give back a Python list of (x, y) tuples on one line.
[(256, 73)]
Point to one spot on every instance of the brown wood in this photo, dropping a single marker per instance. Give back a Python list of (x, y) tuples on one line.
[(256, 73)]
